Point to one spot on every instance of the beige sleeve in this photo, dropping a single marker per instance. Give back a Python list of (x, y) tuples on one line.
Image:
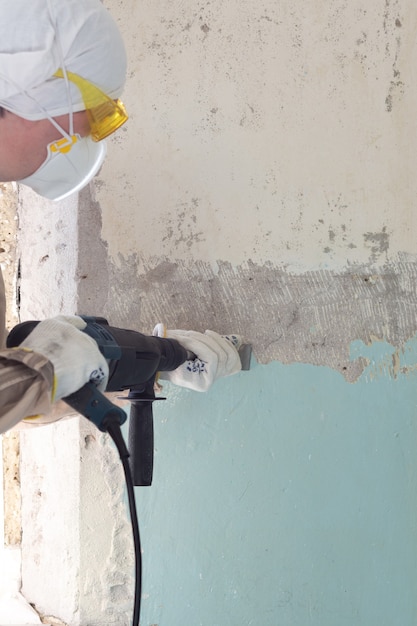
[(26, 380), (2, 314)]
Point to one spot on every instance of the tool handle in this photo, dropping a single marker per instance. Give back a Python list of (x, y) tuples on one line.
[(141, 442), (91, 403)]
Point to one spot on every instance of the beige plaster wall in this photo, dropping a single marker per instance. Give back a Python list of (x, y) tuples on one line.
[(279, 132)]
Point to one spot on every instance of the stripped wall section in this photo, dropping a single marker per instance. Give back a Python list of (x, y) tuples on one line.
[(265, 181), (309, 317)]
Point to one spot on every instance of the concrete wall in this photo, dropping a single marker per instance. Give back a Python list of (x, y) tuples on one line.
[(265, 185), (265, 181)]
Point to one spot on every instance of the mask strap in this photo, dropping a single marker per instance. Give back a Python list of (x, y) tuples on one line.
[(64, 70)]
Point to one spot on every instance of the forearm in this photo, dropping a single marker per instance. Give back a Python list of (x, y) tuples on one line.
[(26, 381)]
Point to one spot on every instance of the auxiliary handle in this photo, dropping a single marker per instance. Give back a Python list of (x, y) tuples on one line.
[(141, 434)]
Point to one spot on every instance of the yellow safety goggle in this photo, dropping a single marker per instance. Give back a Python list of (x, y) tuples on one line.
[(105, 115)]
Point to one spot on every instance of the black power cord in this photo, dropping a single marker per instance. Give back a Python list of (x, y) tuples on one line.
[(116, 434)]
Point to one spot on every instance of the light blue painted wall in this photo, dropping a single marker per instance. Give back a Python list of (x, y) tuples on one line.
[(285, 496)]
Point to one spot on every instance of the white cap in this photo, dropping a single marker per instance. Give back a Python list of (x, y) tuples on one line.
[(30, 36), (63, 174)]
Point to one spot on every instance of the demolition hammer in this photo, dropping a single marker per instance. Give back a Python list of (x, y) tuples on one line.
[(134, 360)]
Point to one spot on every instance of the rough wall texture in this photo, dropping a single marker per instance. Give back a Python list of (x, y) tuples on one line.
[(310, 318), (73, 506), (264, 183)]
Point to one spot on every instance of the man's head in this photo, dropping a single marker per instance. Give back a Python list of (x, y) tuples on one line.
[(43, 116)]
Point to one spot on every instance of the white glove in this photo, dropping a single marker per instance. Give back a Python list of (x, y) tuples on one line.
[(74, 355), (216, 356)]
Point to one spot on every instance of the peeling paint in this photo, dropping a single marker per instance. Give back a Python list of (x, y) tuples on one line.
[(385, 360)]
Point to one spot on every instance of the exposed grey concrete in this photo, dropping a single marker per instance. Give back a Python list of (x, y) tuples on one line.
[(309, 318)]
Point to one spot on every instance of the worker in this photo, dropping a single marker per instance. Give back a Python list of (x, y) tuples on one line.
[(62, 71)]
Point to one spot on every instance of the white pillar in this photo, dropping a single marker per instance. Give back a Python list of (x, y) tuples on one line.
[(77, 555)]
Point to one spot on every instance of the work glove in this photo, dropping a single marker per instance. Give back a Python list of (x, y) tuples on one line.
[(74, 355), (212, 356)]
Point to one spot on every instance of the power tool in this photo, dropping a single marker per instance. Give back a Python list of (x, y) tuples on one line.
[(134, 360)]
